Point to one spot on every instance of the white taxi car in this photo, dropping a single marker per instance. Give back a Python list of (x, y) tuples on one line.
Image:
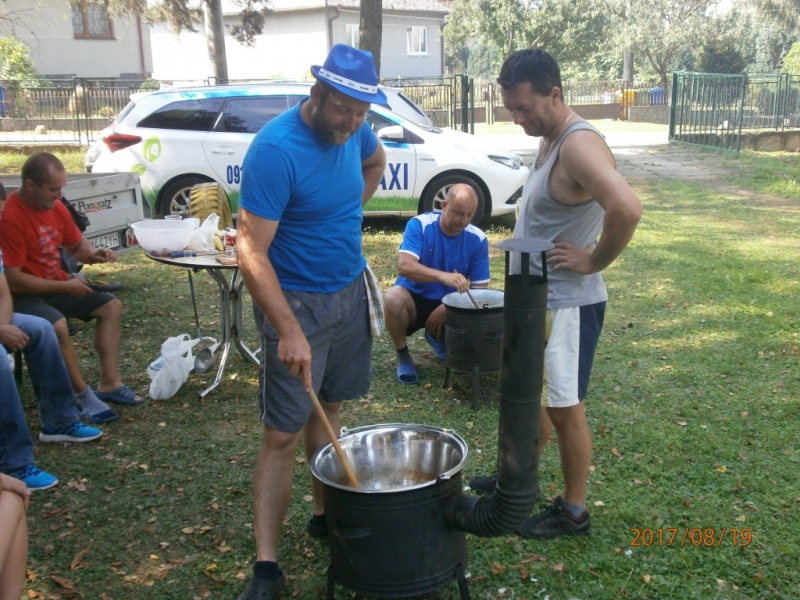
[(181, 137)]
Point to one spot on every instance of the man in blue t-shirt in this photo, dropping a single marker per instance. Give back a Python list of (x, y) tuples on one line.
[(306, 177), (441, 253)]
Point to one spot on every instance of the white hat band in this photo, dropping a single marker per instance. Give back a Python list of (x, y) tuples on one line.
[(361, 87)]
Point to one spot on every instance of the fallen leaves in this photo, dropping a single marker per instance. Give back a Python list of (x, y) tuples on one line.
[(77, 561), (497, 568), (79, 485)]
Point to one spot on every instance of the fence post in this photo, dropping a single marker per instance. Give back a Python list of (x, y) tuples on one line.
[(490, 104), (464, 104), (80, 112), (472, 105), (743, 83), (673, 105), (783, 101)]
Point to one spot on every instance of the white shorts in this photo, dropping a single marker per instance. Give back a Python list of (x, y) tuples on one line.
[(569, 354)]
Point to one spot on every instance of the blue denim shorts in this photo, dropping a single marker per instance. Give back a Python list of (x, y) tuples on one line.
[(337, 328)]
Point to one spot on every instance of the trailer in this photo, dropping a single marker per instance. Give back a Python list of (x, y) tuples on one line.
[(111, 201)]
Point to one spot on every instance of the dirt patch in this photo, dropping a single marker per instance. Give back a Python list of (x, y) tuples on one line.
[(675, 162), (686, 163)]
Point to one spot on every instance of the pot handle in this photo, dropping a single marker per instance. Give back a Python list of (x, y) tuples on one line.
[(351, 533)]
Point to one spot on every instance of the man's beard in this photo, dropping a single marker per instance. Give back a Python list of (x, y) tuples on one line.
[(325, 130)]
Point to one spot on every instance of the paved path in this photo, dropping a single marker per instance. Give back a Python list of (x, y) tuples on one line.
[(639, 154)]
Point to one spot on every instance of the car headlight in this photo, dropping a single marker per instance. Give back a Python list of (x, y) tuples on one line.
[(511, 161)]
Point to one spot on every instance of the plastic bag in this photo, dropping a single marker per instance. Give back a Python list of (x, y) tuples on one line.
[(176, 362), (203, 237)]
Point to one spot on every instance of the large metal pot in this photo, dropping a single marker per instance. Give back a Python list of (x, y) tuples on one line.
[(488, 300), (388, 537)]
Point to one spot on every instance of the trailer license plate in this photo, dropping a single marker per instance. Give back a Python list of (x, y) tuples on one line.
[(110, 240)]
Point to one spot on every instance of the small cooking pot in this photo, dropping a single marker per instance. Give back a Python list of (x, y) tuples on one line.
[(388, 537)]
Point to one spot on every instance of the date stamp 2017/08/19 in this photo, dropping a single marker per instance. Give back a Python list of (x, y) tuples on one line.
[(692, 536)]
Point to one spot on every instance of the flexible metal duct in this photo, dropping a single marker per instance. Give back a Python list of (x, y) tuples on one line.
[(521, 377)]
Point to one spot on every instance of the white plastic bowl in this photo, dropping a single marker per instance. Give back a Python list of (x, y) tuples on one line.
[(160, 237)]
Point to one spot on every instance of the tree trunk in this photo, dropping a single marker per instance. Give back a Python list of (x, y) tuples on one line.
[(371, 30), (215, 36)]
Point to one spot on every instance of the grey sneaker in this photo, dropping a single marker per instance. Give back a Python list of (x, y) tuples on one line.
[(554, 522)]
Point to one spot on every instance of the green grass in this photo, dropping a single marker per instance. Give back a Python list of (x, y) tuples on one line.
[(773, 173), (693, 409), (10, 162), (393, 203)]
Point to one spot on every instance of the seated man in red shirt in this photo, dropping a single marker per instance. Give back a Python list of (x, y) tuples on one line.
[(34, 225)]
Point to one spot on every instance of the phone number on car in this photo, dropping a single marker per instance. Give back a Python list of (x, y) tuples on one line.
[(693, 536)]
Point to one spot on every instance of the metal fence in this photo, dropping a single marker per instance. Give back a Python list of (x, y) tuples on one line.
[(67, 110), (444, 99), (713, 110), (77, 110)]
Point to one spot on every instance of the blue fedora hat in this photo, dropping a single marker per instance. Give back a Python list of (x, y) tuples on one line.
[(352, 72)]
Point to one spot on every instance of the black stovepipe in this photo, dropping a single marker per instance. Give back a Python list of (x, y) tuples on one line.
[(521, 377)]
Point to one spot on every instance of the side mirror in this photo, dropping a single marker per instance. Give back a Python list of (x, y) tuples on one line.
[(393, 132)]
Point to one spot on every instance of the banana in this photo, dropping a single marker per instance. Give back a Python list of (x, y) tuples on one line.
[(218, 244)]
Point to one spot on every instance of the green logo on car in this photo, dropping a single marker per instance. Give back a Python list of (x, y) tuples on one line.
[(139, 168), (152, 149)]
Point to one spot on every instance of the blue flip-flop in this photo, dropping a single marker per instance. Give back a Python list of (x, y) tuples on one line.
[(121, 395), (407, 374), (105, 416), (439, 348)]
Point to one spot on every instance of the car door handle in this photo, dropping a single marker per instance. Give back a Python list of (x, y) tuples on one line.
[(223, 150)]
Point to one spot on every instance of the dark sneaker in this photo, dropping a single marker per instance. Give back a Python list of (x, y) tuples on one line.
[(34, 478), (483, 484), (263, 589), (318, 526), (554, 522)]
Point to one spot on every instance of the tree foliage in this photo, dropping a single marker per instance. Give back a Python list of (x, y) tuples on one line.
[(661, 30), (15, 61), (567, 29), (771, 44), (484, 61), (791, 62), (183, 15), (720, 56), (784, 13)]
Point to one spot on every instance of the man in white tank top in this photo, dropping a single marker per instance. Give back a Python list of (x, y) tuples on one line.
[(575, 198)]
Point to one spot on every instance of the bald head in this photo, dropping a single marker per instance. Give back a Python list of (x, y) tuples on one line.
[(458, 209), (461, 193)]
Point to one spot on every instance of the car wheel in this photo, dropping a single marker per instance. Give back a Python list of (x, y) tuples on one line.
[(437, 190), (176, 196), (207, 198)]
